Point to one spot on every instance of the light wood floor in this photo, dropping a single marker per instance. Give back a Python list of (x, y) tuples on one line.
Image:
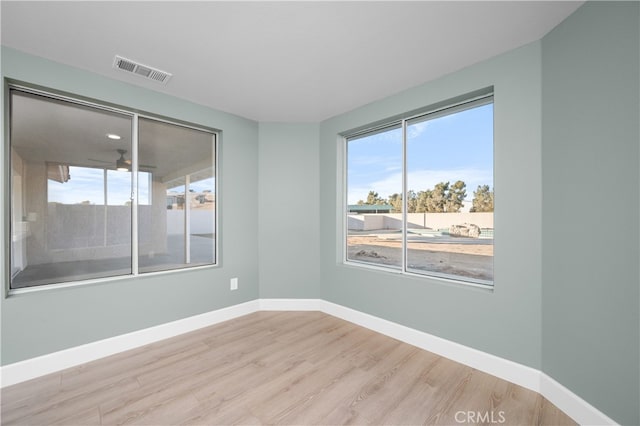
[(275, 368)]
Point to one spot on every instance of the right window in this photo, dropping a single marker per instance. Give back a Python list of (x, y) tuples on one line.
[(420, 194)]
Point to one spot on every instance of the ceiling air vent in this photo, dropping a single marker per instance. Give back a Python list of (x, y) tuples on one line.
[(145, 71)]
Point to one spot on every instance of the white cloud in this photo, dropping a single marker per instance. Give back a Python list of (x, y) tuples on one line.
[(415, 130), (385, 187)]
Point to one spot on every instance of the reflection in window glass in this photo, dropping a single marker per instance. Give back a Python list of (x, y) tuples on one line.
[(75, 209), (119, 188), (76, 185), (177, 229), (73, 198), (374, 188), (63, 228)]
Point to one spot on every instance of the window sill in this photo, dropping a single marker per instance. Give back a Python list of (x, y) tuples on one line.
[(430, 277), (94, 281)]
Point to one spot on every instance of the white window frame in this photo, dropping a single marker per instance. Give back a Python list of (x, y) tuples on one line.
[(9, 88), (482, 97)]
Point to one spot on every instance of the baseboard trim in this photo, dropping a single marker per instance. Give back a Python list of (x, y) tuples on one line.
[(39, 366), (508, 370), (577, 408), (574, 406), (290, 304), (530, 378)]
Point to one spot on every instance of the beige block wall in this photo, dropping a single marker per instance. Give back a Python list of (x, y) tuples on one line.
[(367, 222)]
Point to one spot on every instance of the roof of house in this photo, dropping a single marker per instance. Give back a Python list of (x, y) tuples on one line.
[(361, 208)]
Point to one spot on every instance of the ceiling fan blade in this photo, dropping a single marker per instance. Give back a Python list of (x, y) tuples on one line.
[(128, 162), (141, 165), (99, 161)]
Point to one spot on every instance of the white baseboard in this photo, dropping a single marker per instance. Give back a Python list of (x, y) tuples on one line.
[(508, 370), (35, 367), (574, 406), (530, 378), (290, 304)]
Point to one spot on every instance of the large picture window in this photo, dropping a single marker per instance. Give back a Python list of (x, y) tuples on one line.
[(98, 192), (420, 195)]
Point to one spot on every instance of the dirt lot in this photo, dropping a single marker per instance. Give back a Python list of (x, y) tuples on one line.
[(467, 257)]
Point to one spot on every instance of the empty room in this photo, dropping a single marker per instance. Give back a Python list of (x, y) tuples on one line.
[(320, 213)]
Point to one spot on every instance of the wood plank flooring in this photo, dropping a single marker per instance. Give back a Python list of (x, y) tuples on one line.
[(275, 368)]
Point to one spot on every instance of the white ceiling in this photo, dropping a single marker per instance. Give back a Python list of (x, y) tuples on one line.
[(279, 61)]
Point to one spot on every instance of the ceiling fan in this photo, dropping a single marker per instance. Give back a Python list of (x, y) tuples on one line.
[(122, 164)]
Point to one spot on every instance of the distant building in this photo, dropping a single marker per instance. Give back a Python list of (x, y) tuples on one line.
[(370, 208), (175, 200)]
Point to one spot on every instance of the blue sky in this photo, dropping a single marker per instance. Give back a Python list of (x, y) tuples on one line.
[(453, 147), (87, 184)]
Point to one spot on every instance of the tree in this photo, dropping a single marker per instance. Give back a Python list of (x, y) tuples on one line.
[(423, 201), (439, 196), (482, 200), (455, 197), (444, 197), (412, 201), (373, 198), (396, 201)]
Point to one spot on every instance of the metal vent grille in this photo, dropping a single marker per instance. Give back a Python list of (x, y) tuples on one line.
[(145, 71)]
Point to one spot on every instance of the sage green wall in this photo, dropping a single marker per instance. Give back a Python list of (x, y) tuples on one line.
[(42, 322), (289, 211), (506, 321), (590, 209)]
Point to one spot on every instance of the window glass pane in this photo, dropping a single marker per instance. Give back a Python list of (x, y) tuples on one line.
[(75, 208), (450, 195), (177, 227), (118, 207), (63, 226), (374, 188)]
